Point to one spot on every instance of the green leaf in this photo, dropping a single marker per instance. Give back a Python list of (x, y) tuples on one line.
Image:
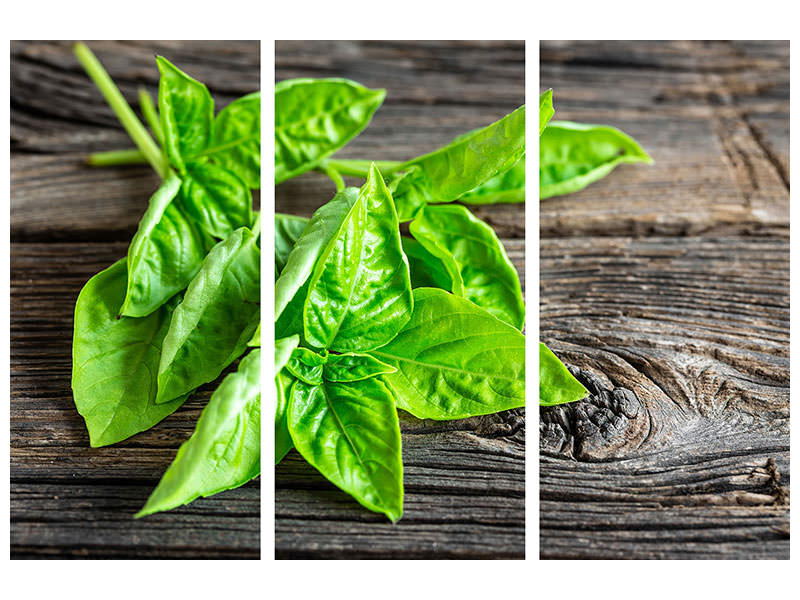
[(216, 199), (546, 110), (288, 229), (508, 187), (354, 367), (283, 351), (306, 365), (350, 433), (187, 113), (316, 117), (426, 269), (360, 292), (462, 165), (454, 360), (283, 440), (115, 361), (237, 139), (574, 155), (475, 258), (324, 225), (218, 315), (556, 383), (224, 451), (256, 339), (165, 253)]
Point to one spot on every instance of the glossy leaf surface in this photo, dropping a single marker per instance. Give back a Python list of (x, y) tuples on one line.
[(574, 155), (508, 187), (316, 117), (556, 384), (218, 315), (350, 433), (283, 382), (306, 365), (224, 451), (324, 225), (165, 252), (115, 361), (426, 269), (462, 165), (354, 367), (546, 110), (454, 360), (283, 440), (187, 113), (236, 142), (216, 199), (360, 292), (471, 248), (288, 229)]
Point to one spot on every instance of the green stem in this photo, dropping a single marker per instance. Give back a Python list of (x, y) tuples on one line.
[(116, 157), (151, 115), (122, 109), (326, 168), (360, 168), (256, 228)]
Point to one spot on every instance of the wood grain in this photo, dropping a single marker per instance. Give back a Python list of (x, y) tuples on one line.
[(464, 480), (665, 289), (69, 221)]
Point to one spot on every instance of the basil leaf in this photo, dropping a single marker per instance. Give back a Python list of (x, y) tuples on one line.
[(165, 252), (467, 162), (426, 269), (256, 339), (216, 199), (354, 367), (316, 117), (306, 365), (218, 315), (115, 361), (546, 110), (187, 113), (283, 382), (224, 451), (360, 292), (350, 433), (324, 225), (237, 139), (283, 351), (288, 230), (556, 383), (283, 440), (454, 360), (508, 187), (573, 155), (475, 258)]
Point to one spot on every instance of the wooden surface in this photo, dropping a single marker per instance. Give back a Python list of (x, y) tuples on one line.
[(464, 480), (668, 287), (68, 222)]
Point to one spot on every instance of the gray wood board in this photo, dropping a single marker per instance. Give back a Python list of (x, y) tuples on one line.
[(68, 222), (666, 289), (464, 480)]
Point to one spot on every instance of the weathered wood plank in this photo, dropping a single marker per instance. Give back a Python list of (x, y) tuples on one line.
[(695, 331), (464, 480), (665, 288)]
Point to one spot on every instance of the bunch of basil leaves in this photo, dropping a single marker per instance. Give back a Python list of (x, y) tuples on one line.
[(367, 320), (184, 303), (572, 156)]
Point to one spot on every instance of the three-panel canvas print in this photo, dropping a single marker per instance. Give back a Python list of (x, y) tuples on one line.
[(422, 398)]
